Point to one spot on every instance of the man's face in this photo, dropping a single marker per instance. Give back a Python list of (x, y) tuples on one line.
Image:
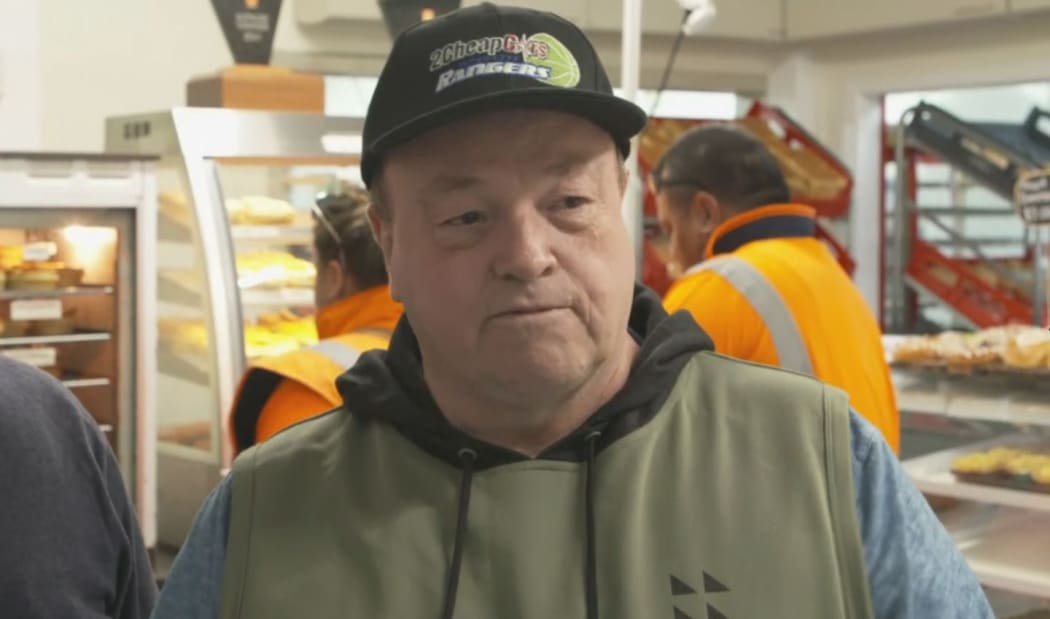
[(506, 245), (686, 220)]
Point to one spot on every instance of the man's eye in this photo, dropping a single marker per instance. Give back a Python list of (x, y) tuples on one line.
[(572, 202), (466, 219)]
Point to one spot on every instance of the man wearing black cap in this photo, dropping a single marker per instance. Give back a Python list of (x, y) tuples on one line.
[(541, 439)]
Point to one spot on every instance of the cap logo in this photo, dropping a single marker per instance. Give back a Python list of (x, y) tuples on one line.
[(539, 56)]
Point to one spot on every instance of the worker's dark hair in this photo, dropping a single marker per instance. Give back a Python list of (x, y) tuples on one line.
[(342, 232), (729, 163)]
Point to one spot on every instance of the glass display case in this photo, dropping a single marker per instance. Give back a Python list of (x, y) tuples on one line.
[(77, 297), (236, 274)]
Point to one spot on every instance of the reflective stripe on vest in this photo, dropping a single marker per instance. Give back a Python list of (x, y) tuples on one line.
[(749, 282), (343, 355)]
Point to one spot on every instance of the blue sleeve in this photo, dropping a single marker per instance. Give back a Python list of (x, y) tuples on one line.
[(914, 569), (193, 590)]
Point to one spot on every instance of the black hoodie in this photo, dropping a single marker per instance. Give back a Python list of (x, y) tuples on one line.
[(389, 386)]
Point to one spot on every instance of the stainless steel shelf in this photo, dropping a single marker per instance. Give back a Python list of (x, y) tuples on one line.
[(1008, 549), (79, 291), (72, 338), (1016, 399)]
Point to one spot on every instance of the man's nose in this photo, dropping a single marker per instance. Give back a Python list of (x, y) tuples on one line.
[(523, 247)]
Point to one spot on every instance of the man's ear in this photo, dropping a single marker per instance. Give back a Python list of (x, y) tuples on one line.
[(705, 211), (380, 230), (383, 234)]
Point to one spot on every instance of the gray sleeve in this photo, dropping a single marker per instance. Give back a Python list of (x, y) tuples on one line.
[(70, 544), (193, 590), (914, 569)]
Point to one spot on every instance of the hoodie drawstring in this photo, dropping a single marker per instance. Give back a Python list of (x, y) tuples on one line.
[(591, 574), (467, 457)]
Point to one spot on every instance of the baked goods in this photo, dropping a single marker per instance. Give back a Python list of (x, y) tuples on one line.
[(1014, 346), (303, 330), (261, 342), (183, 336), (259, 211), (10, 256), (188, 337), (280, 331), (32, 279), (1030, 348), (1041, 478), (274, 269), (1014, 467), (918, 349), (59, 326)]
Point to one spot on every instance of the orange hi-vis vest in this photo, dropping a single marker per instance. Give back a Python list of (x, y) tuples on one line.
[(280, 391), (768, 291)]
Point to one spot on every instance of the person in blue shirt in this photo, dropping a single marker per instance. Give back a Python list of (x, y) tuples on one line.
[(70, 545)]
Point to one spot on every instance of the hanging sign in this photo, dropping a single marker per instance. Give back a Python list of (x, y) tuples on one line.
[(1032, 197), (249, 27)]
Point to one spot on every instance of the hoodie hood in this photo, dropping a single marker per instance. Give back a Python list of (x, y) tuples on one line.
[(388, 386)]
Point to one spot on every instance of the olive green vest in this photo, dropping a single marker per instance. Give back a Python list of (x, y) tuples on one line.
[(734, 501)]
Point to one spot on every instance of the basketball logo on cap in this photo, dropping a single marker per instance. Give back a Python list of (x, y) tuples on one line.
[(540, 56)]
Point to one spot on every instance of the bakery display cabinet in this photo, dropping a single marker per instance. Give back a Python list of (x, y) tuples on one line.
[(76, 293), (236, 274), (976, 441)]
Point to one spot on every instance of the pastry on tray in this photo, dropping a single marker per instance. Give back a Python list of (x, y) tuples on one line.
[(32, 279), (917, 349), (1041, 478), (260, 211), (1003, 466), (274, 269), (1029, 348)]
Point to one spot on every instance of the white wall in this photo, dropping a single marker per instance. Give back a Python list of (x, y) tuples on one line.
[(112, 57), (20, 87)]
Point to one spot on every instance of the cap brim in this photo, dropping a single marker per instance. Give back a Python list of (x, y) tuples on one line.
[(621, 118)]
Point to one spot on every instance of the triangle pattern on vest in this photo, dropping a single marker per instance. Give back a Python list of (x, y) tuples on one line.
[(711, 584), (680, 588), (678, 614), (714, 613)]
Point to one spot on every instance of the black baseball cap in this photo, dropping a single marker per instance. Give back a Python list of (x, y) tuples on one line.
[(484, 58)]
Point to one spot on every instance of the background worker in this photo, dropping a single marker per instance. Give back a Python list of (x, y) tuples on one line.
[(755, 277), (355, 314)]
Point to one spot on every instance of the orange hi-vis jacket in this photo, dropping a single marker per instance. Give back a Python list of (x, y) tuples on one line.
[(768, 291), (280, 391)]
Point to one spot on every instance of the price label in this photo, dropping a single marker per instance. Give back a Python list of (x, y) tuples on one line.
[(36, 309), (38, 252), (1032, 197), (36, 357)]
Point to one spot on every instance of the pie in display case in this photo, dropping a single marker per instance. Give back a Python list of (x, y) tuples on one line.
[(77, 298), (235, 191)]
